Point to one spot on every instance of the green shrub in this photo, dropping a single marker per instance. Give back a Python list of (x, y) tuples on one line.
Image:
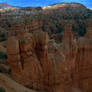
[(2, 89), (3, 55), (2, 39)]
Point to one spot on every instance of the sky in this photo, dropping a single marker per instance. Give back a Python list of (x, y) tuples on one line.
[(24, 3)]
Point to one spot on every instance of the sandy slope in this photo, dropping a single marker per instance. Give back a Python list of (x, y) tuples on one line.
[(11, 86)]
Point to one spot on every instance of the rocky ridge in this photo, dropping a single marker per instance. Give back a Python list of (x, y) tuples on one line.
[(65, 5)]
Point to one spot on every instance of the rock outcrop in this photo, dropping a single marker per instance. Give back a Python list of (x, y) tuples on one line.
[(11, 86), (31, 61), (65, 5), (82, 77), (42, 64), (25, 26)]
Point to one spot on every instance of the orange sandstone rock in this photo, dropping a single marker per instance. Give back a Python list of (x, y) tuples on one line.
[(42, 64)]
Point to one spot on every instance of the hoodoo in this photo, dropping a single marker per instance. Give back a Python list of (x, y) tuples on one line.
[(41, 64)]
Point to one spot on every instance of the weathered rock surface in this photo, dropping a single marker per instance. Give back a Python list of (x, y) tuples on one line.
[(42, 64), (82, 77)]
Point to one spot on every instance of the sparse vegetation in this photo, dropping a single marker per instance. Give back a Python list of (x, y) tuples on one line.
[(3, 55), (2, 89), (53, 21)]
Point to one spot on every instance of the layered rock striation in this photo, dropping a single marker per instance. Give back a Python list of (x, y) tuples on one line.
[(41, 64)]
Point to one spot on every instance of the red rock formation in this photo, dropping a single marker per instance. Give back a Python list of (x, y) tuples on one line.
[(82, 76), (78, 64), (68, 35), (30, 61), (26, 26), (45, 65), (68, 48), (89, 30), (13, 55), (33, 26)]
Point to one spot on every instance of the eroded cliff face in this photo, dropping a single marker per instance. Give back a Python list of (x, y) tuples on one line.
[(82, 76), (41, 64), (28, 26), (32, 65)]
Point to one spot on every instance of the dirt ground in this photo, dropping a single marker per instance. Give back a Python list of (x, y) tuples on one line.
[(11, 86)]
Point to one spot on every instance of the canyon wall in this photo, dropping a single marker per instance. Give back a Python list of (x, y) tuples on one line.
[(82, 77), (41, 64)]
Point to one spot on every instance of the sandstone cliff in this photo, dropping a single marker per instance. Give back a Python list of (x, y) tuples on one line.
[(42, 64)]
